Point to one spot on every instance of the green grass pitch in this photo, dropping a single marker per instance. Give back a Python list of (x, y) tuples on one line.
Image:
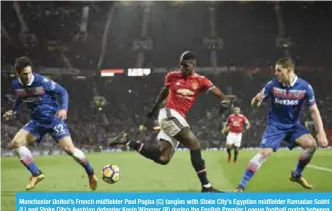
[(138, 174)]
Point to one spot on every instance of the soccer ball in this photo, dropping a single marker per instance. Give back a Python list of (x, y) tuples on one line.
[(111, 173)]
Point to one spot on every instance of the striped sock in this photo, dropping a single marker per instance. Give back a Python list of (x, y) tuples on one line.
[(26, 159), (199, 166), (253, 166)]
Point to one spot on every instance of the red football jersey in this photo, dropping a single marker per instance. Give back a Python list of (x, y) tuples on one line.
[(236, 122), (183, 91)]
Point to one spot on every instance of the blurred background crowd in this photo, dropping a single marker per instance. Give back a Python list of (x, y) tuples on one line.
[(237, 44)]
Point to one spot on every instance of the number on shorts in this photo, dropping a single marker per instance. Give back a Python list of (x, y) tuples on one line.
[(59, 129)]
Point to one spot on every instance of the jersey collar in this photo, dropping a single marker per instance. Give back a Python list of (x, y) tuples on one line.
[(293, 83), (32, 79), (194, 75)]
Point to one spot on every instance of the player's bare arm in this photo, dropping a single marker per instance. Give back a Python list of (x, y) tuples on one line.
[(224, 99), (11, 113), (257, 100), (217, 92), (225, 128), (161, 97), (315, 114), (247, 124)]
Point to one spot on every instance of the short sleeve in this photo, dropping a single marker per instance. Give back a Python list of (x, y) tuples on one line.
[(206, 84), (228, 121), (168, 79), (48, 84), (310, 96)]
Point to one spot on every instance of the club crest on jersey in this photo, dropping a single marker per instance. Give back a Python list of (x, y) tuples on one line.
[(194, 85)]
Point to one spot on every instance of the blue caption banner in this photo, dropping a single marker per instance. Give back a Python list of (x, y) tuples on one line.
[(173, 201)]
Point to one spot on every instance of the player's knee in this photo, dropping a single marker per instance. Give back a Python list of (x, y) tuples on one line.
[(166, 155), (13, 145), (17, 142), (266, 152), (307, 141), (67, 145), (236, 149), (21, 139), (313, 144), (164, 160), (309, 144), (68, 149), (194, 144)]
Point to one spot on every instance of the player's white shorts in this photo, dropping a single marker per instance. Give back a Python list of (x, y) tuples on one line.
[(171, 123), (234, 138)]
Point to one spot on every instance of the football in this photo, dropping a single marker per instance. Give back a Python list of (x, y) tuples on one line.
[(111, 173)]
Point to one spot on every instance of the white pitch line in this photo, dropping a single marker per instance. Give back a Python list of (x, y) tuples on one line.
[(320, 168)]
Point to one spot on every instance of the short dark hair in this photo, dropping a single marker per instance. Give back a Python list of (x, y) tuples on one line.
[(286, 62), (188, 55), (22, 62)]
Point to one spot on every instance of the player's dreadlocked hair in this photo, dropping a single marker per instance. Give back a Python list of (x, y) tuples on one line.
[(188, 55), (22, 62), (286, 62)]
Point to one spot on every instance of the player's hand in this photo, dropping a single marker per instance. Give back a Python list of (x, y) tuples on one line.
[(9, 115), (62, 114), (224, 106), (259, 98), (322, 140)]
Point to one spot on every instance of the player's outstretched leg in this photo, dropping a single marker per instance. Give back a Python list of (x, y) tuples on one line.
[(229, 152), (236, 153), (186, 137), (309, 145), (25, 156), (160, 154), (67, 145), (253, 166)]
